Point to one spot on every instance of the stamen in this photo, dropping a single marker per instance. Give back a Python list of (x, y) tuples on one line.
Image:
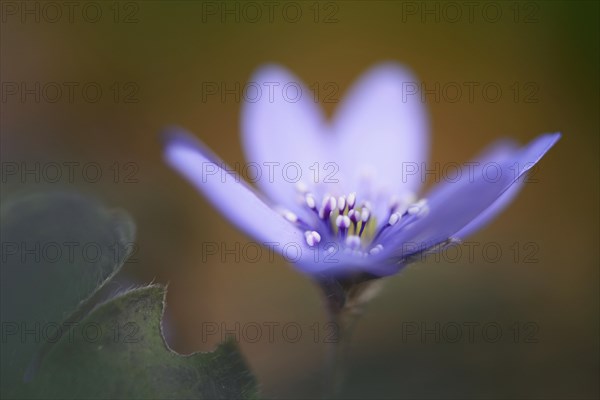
[(327, 207), (413, 209), (353, 242), (293, 218), (341, 203), (301, 187), (354, 217), (419, 208), (338, 215), (312, 238), (290, 216), (365, 215), (310, 201), (394, 218), (375, 250), (343, 223), (351, 200), (366, 204)]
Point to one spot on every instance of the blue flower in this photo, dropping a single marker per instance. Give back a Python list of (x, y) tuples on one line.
[(340, 197)]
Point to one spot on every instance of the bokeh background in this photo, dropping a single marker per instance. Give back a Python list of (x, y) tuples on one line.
[(156, 55)]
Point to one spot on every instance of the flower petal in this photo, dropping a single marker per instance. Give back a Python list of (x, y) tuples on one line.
[(498, 152), (491, 212), (229, 194), (453, 206), (380, 127), (282, 130), (243, 207)]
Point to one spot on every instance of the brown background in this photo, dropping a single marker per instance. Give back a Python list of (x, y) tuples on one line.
[(172, 47)]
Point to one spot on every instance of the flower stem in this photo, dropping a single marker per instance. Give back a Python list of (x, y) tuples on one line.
[(344, 301), (338, 352)]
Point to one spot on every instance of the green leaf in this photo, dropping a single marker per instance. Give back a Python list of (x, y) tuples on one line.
[(56, 336), (58, 249), (118, 351)]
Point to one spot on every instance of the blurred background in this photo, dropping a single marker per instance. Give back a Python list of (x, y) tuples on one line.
[(135, 67)]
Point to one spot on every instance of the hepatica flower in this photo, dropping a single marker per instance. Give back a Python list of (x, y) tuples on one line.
[(341, 198)]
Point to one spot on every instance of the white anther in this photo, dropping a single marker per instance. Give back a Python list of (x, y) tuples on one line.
[(290, 216), (394, 218), (365, 214), (351, 200), (329, 203), (419, 207), (342, 221), (324, 201), (310, 201), (301, 187), (332, 203), (354, 216), (375, 250), (328, 206), (353, 242), (312, 238), (414, 209), (346, 221), (341, 203)]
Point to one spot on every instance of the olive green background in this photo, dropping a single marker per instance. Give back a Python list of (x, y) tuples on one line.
[(168, 49)]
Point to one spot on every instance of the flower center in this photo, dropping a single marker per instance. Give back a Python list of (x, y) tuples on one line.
[(350, 224)]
